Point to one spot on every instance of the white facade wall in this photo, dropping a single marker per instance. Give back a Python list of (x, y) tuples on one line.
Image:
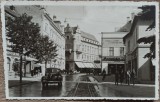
[(47, 29), (90, 52)]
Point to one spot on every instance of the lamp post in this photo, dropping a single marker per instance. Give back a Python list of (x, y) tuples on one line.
[(21, 63)]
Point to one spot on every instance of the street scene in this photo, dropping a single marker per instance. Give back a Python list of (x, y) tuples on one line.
[(80, 51)]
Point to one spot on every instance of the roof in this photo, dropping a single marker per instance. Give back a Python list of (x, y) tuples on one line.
[(126, 27), (114, 34), (88, 36), (134, 22), (12, 12)]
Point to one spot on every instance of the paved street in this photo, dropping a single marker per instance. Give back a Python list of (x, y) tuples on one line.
[(81, 85)]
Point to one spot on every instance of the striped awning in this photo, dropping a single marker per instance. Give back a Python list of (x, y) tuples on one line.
[(97, 65), (88, 65), (80, 64)]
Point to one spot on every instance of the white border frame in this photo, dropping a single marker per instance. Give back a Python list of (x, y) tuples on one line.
[(78, 3)]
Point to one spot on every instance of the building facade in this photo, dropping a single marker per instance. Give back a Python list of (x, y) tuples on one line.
[(113, 51), (135, 52), (50, 27), (82, 49)]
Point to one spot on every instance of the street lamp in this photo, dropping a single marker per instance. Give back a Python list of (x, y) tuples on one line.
[(21, 63)]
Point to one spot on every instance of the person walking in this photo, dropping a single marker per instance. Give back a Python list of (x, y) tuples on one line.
[(103, 74), (128, 77), (133, 77), (116, 77), (121, 77)]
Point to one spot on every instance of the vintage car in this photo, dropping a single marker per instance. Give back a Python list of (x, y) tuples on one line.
[(52, 75)]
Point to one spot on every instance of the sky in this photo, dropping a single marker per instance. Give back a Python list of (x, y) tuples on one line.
[(93, 19)]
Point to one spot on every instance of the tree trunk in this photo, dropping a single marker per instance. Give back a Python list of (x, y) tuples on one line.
[(45, 64)]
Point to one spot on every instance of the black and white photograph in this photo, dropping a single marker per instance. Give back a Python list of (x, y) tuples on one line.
[(80, 50)]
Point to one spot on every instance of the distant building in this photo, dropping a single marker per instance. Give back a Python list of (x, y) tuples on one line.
[(135, 52), (82, 49), (90, 51), (113, 52)]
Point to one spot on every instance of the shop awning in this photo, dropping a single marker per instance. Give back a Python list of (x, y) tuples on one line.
[(80, 64), (88, 65), (92, 65), (97, 65), (117, 62)]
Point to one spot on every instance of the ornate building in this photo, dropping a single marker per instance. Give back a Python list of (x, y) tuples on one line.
[(82, 49)]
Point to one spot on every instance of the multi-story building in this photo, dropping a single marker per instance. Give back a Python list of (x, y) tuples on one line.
[(113, 51), (12, 57), (82, 49), (48, 27), (134, 60), (90, 51)]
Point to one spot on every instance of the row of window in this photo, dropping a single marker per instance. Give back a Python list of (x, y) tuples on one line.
[(89, 40), (89, 57), (53, 34), (111, 51), (90, 49)]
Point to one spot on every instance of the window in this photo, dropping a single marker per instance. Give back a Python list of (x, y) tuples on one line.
[(82, 47), (121, 51), (111, 51)]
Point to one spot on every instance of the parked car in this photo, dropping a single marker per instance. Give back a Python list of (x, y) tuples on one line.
[(52, 75)]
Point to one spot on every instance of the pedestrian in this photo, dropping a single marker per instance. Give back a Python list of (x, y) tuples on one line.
[(116, 77), (128, 77), (103, 74), (121, 77), (133, 77)]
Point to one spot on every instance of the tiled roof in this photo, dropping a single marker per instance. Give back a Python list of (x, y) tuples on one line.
[(88, 36), (126, 27)]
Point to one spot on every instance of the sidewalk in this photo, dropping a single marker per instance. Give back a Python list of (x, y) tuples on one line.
[(92, 79), (137, 90), (111, 78), (14, 81)]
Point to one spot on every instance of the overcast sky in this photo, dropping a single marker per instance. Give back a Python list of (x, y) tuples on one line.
[(93, 19)]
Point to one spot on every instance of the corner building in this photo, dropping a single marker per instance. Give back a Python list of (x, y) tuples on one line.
[(82, 49)]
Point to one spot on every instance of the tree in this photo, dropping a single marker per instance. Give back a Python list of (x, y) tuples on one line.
[(23, 34), (148, 13), (45, 50)]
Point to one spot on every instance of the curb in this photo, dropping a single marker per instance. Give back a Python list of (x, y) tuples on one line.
[(21, 84)]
